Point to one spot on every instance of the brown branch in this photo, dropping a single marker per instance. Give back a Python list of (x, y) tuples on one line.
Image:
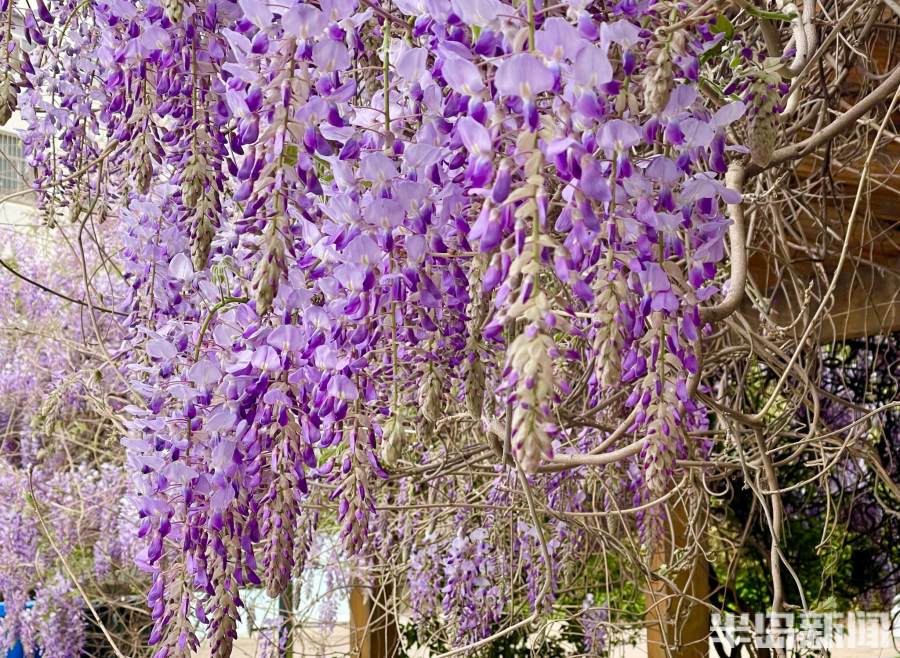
[(41, 286), (735, 180)]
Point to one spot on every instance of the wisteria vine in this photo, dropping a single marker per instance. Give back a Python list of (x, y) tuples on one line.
[(377, 251)]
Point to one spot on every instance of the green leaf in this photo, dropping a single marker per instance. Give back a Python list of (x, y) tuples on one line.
[(715, 51), (713, 86), (770, 15), (723, 26), (289, 157)]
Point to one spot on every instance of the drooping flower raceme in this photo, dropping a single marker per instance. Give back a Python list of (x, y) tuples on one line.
[(60, 503)]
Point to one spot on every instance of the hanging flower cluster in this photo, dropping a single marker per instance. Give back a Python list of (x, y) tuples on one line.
[(349, 227), (60, 504), (79, 514)]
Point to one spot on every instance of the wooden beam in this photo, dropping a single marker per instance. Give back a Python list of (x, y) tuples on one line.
[(866, 303)]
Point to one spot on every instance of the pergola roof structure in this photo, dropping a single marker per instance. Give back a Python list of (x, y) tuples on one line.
[(799, 214)]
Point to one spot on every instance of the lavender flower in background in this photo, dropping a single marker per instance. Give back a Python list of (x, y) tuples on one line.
[(594, 620)]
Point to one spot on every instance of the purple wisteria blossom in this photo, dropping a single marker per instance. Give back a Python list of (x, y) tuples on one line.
[(357, 236)]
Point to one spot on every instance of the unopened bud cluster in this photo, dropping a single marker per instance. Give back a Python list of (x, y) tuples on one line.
[(197, 197), (477, 311), (475, 386), (223, 624), (174, 9), (269, 267), (202, 233), (661, 412), (307, 526), (659, 76), (8, 92), (392, 441), (659, 453), (430, 400), (9, 89), (279, 521), (140, 165), (763, 118), (530, 369), (356, 502), (171, 628), (608, 341)]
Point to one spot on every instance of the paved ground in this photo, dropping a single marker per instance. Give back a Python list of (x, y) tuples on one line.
[(338, 645)]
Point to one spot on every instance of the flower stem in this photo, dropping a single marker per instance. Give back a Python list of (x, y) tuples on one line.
[(531, 25), (386, 70)]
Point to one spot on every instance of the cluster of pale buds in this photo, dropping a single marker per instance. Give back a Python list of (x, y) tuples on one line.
[(430, 400), (477, 311), (202, 233), (193, 179), (529, 365), (169, 601), (356, 502), (197, 198), (10, 70), (659, 77), (763, 114), (658, 454), (307, 525), (531, 360), (222, 603), (530, 372), (608, 341), (269, 267), (391, 441), (8, 93), (475, 385), (174, 9), (143, 169), (279, 521)]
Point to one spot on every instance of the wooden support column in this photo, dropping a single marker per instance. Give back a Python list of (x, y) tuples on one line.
[(678, 627), (373, 627), (384, 631), (360, 642)]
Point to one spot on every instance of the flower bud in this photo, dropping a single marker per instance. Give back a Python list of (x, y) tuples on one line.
[(269, 268), (763, 118), (392, 442), (202, 233), (7, 100), (174, 9), (658, 81)]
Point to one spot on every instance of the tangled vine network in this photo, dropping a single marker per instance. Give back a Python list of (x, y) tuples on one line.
[(464, 283)]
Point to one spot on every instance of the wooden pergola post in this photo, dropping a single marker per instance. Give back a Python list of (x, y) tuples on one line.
[(678, 626), (373, 627), (360, 641)]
